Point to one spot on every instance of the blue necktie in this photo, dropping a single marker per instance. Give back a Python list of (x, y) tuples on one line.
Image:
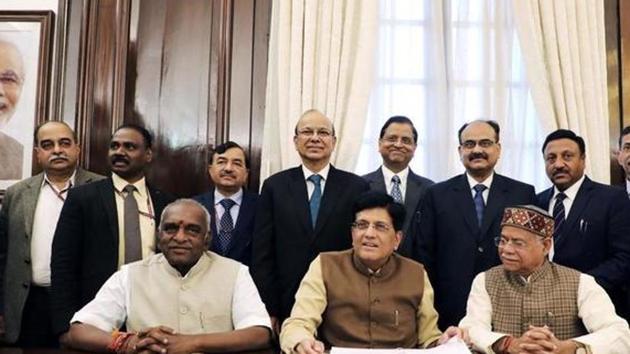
[(316, 197), (226, 224), (479, 203), (396, 194), (558, 216)]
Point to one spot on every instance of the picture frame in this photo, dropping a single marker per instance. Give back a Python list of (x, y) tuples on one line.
[(26, 44)]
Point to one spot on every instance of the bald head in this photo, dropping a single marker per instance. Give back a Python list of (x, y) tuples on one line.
[(11, 79)]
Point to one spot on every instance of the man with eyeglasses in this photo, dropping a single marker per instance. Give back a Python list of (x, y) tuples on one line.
[(592, 232), (301, 212), (397, 144), (29, 215), (183, 300), (11, 84), (367, 296), (104, 225), (460, 218), (532, 305)]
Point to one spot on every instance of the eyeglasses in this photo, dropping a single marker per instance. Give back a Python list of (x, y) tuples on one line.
[(364, 225), (404, 140), (483, 143), (518, 244), (309, 133)]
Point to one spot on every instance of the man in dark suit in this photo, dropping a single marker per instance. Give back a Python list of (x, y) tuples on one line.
[(397, 144), (623, 156), (301, 212), (229, 203), (28, 218), (593, 220), (460, 218), (104, 225)]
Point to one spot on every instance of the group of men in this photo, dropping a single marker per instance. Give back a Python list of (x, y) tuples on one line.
[(330, 261)]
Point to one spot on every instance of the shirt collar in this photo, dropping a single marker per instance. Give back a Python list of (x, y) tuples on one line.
[(236, 197), (384, 271), (572, 191), (69, 182), (486, 182), (323, 172), (388, 174), (627, 186), (120, 184)]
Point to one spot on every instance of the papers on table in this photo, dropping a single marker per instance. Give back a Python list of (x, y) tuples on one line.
[(453, 346)]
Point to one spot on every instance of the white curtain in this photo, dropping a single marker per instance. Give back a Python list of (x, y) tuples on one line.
[(321, 55), (564, 42), (446, 62)]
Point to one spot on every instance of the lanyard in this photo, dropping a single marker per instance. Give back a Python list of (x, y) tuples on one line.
[(59, 193), (149, 214)]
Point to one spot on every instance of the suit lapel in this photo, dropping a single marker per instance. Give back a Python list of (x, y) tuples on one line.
[(377, 181), (106, 191), (30, 202), (496, 198), (245, 212), (298, 197), (412, 194), (213, 218), (581, 201), (332, 191), (463, 199)]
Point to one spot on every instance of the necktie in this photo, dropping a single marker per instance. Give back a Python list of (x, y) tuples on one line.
[(558, 216), (133, 241), (316, 197), (480, 205), (396, 194), (226, 224)]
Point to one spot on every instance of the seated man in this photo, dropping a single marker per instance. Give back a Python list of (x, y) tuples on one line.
[(530, 305), (183, 300), (367, 296)]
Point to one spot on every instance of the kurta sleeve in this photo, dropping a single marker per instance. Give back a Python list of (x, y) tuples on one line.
[(478, 319), (306, 315), (427, 316), (608, 333)]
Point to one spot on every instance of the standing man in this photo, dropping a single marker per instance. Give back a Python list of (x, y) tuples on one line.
[(302, 211), (229, 203), (397, 144), (460, 218), (29, 215), (104, 225), (592, 232), (623, 157)]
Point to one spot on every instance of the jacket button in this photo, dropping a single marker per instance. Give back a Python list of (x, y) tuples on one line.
[(25, 285), (480, 249), (27, 261)]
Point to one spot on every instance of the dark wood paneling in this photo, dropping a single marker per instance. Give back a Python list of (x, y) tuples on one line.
[(611, 14)]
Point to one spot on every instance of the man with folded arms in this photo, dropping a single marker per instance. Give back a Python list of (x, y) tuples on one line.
[(183, 300), (367, 296), (531, 305)]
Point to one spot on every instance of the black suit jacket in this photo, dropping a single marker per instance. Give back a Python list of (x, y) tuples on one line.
[(240, 247), (451, 244), (416, 188), (597, 237), (286, 242), (85, 247)]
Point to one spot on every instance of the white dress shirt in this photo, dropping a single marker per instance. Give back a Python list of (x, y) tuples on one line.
[(486, 182), (387, 176), (571, 193), (49, 204), (310, 186), (608, 333), (109, 308), (147, 216)]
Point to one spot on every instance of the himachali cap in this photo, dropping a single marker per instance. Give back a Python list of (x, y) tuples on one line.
[(529, 218)]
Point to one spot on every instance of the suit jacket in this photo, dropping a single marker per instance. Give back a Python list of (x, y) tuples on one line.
[(85, 247), (597, 237), (416, 188), (452, 246), (240, 246), (286, 242), (16, 226)]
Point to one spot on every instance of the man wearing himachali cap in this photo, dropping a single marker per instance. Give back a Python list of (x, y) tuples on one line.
[(532, 305)]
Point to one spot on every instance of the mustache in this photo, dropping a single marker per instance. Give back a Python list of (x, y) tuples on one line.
[(559, 170), (57, 157), (477, 155), (119, 158)]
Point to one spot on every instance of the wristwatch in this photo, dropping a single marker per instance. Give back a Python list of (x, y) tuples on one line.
[(581, 348)]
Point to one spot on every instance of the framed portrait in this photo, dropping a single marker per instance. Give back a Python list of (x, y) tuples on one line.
[(26, 40)]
